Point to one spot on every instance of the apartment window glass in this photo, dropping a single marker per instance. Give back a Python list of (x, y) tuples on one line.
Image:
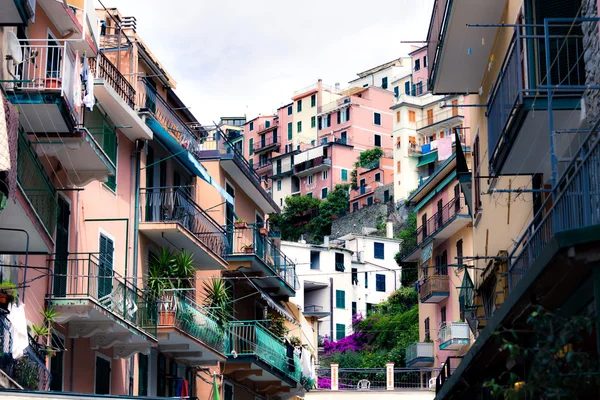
[(354, 308), (340, 299), (344, 175), (355, 206), (355, 276), (315, 260), (459, 251), (340, 331), (378, 177), (299, 126), (377, 140), (366, 280), (290, 133), (420, 87), (397, 116), (290, 110), (377, 118), (370, 200), (324, 193), (339, 262), (313, 121), (299, 106), (417, 65), (412, 116), (309, 180), (251, 146), (267, 124), (427, 330), (319, 123), (251, 126), (396, 91), (378, 251), (384, 82), (407, 88), (380, 282), (313, 100), (324, 175), (278, 186), (443, 315), (424, 61)]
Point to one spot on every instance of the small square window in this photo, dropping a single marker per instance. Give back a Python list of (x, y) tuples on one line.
[(251, 126), (377, 118), (313, 100), (344, 175), (378, 177), (324, 193), (324, 175), (299, 126), (299, 106), (378, 250), (290, 110), (313, 122)]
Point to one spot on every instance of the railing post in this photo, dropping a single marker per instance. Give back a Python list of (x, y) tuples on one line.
[(389, 373), (334, 376)]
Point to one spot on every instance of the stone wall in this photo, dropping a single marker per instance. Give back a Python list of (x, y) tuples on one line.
[(591, 57)]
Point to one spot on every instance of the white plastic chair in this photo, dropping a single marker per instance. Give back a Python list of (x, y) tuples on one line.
[(363, 384)]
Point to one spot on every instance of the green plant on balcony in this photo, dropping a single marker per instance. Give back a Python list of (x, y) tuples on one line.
[(44, 329), (240, 224), (218, 299), (295, 341), (8, 292), (277, 326), (26, 373)]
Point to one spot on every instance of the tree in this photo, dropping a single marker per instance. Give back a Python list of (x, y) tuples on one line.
[(408, 236), (335, 206)]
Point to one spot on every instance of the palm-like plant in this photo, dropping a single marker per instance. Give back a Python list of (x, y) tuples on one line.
[(184, 269), (160, 272), (218, 299)]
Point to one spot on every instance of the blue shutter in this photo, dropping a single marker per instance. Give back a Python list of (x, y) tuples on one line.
[(105, 266), (378, 250), (406, 87)]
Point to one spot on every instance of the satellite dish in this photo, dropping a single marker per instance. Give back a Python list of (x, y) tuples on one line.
[(14, 48)]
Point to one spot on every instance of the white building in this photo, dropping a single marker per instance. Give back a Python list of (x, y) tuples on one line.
[(345, 277), (384, 75)]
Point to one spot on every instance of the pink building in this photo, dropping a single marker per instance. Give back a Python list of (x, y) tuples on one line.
[(374, 184)]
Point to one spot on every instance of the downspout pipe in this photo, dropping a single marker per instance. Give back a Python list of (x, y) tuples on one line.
[(139, 146)]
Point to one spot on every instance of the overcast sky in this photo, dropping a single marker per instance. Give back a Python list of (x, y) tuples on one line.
[(233, 58)]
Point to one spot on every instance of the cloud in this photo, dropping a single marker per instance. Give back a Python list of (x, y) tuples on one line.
[(236, 57)]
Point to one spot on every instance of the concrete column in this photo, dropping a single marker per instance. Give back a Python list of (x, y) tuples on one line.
[(334, 376), (389, 373)]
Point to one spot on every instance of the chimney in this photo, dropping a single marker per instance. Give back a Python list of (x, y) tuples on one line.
[(389, 229), (301, 240), (326, 241)]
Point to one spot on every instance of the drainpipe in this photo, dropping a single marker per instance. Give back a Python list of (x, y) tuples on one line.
[(139, 146)]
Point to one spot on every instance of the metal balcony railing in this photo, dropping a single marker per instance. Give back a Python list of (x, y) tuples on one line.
[(445, 115), (266, 125), (454, 331), (174, 204), (573, 204), (308, 309), (437, 23), (149, 99), (419, 350), (91, 275), (266, 141), (47, 67), (436, 222), (316, 162), (106, 70), (253, 239), (36, 183), (447, 370), (192, 319), (434, 284), (251, 338), (30, 370), (517, 78)]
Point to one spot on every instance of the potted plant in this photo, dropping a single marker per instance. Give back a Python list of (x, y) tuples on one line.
[(248, 249), (218, 299), (240, 224), (7, 294), (263, 231)]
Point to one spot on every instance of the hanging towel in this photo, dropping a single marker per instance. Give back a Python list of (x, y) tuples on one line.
[(185, 391), (12, 128), (434, 145), (18, 330), (306, 365), (179, 387), (444, 148), (88, 81), (77, 95)]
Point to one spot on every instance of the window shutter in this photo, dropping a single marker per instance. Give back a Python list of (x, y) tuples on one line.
[(319, 123), (251, 145), (348, 114), (328, 120), (339, 117)]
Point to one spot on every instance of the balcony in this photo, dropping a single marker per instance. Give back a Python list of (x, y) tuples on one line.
[(251, 247), (312, 166), (445, 223), (29, 371), (435, 289), (170, 217), (252, 342), (445, 119), (316, 311), (236, 165), (189, 330), (98, 303), (433, 145), (517, 113), (233, 134), (419, 354), (35, 210), (262, 168), (264, 143), (454, 336), (265, 127), (450, 41), (45, 92), (414, 150), (16, 12), (66, 17), (283, 168), (118, 97)]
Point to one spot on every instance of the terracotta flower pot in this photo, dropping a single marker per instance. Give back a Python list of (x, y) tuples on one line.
[(263, 231), (5, 300), (166, 318), (248, 250), (53, 83), (240, 225)]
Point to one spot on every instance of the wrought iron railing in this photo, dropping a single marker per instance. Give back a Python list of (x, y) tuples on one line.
[(253, 239), (109, 72), (36, 184), (434, 284), (436, 26), (573, 204), (266, 125), (419, 350), (251, 338), (436, 222), (446, 372), (190, 318), (316, 162), (91, 276), (266, 141), (30, 370), (444, 115), (313, 308), (173, 204)]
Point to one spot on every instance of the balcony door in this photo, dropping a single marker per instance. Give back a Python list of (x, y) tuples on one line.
[(439, 216), (53, 59), (102, 376), (258, 238), (105, 266), (62, 248), (456, 198)]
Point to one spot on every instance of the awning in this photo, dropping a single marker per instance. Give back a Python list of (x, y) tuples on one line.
[(184, 156), (427, 158), (271, 303)]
